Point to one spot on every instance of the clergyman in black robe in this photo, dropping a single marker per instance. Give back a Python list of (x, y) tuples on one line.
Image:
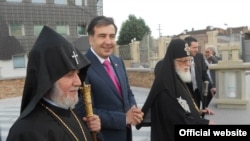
[(52, 60), (170, 102)]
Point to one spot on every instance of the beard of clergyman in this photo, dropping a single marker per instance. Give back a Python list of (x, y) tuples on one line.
[(61, 100), (185, 76)]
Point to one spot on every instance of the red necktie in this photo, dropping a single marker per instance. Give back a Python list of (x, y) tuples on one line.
[(111, 74)]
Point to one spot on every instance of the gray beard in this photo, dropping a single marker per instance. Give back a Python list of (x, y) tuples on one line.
[(64, 102), (185, 76)]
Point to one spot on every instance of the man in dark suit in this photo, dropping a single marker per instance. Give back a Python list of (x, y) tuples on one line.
[(199, 75), (112, 97)]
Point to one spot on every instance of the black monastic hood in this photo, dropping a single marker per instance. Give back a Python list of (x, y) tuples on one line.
[(51, 57), (165, 77)]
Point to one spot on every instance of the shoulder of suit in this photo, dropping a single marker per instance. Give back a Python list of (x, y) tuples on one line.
[(113, 57)]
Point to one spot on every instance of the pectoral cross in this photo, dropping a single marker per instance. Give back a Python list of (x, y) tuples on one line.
[(75, 56)]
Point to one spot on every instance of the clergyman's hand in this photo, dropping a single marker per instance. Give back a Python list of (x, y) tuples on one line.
[(138, 116), (213, 91), (93, 123), (130, 115), (207, 111)]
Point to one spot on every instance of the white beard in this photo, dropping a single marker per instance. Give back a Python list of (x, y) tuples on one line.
[(62, 101), (185, 76)]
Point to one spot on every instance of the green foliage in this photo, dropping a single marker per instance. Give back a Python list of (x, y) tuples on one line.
[(132, 28)]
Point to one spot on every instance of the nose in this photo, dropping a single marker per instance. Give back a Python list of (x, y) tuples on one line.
[(108, 40), (77, 80), (188, 63)]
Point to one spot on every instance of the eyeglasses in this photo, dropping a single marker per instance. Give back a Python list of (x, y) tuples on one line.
[(183, 61)]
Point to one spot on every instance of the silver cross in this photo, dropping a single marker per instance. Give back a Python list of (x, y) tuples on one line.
[(75, 56)]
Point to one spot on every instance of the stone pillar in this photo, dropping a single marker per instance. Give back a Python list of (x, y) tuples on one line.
[(212, 37), (116, 52), (0, 72), (162, 46), (231, 79), (135, 53)]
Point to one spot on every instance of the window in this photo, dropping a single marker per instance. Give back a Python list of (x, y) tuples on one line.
[(62, 29), (18, 61), (81, 30), (14, 0), (16, 30), (85, 2), (37, 29), (61, 2), (81, 2), (78, 2), (38, 1)]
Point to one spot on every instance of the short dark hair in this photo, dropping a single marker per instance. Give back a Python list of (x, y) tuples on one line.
[(190, 39), (100, 21)]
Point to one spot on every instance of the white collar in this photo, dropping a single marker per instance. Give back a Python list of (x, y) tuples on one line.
[(98, 57)]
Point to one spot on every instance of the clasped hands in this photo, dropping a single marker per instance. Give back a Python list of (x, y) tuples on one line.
[(134, 116)]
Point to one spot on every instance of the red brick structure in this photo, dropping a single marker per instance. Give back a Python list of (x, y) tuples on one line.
[(11, 87), (137, 78), (140, 77)]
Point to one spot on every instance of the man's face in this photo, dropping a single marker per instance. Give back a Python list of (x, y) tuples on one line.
[(65, 91), (182, 67), (193, 48), (103, 41), (208, 53)]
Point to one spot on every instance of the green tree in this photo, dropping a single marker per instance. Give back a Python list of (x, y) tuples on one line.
[(132, 28)]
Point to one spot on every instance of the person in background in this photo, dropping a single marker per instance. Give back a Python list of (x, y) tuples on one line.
[(199, 74), (55, 72), (170, 102), (210, 54), (112, 97), (211, 58)]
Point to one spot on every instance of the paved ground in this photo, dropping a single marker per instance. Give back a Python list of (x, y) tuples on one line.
[(9, 111), (10, 107)]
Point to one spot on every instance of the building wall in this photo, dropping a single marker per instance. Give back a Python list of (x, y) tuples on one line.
[(28, 13), (7, 70), (246, 51)]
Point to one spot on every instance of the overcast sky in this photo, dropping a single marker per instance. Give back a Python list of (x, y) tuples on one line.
[(174, 16)]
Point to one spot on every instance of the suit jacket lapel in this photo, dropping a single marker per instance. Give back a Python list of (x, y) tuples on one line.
[(116, 67), (118, 70), (100, 70), (196, 66)]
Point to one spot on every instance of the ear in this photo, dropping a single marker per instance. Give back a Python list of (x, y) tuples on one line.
[(90, 40)]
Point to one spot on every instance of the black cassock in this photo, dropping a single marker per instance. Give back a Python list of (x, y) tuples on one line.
[(42, 125)]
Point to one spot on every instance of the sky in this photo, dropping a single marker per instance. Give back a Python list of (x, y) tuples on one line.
[(172, 17)]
